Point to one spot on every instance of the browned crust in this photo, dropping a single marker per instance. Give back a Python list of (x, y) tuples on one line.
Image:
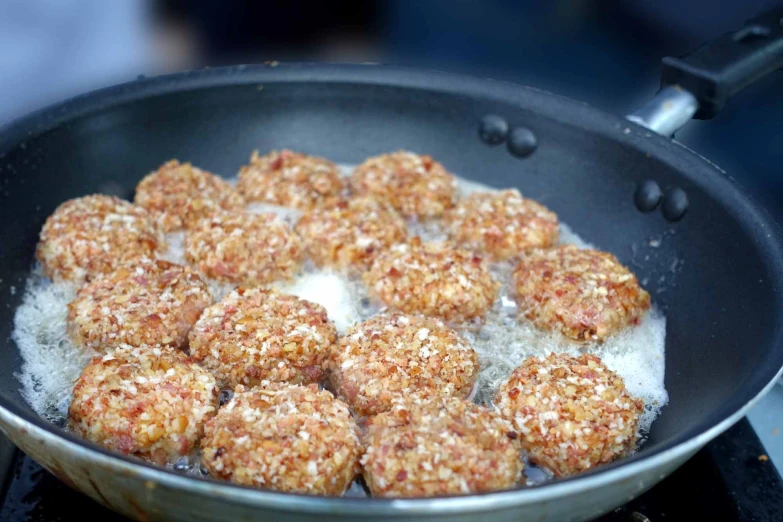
[(572, 412), (503, 225), (179, 195), (256, 334), (424, 448), (243, 248), (93, 235), (585, 294), (141, 303), (351, 233), (150, 402), (414, 184), (389, 357), (433, 279), (290, 179), (284, 437)]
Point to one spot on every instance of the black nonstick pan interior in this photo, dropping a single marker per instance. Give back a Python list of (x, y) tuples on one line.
[(716, 273)]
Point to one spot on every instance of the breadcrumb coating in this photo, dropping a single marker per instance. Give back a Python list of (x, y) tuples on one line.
[(150, 402), (243, 248), (290, 179), (415, 185), (440, 446), (179, 195), (502, 225), (93, 235), (256, 335), (572, 412), (584, 294), (389, 357), (433, 279), (351, 233), (284, 437), (149, 302)]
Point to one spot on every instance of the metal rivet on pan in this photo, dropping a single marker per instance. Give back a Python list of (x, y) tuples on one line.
[(675, 204), (647, 196), (522, 142), (493, 129)]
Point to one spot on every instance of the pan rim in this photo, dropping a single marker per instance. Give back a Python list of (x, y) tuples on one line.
[(578, 115), (496, 500)]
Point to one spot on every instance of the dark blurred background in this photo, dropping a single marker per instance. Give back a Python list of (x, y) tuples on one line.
[(605, 52)]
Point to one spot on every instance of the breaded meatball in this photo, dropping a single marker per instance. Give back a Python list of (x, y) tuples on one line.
[(145, 302), (441, 446), (150, 402), (586, 295), (351, 233), (572, 412), (256, 334), (389, 357), (503, 225), (93, 235), (416, 185), (290, 179), (244, 248), (284, 437), (178, 195), (433, 279)]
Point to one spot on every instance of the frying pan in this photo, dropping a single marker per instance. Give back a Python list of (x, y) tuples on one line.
[(716, 267)]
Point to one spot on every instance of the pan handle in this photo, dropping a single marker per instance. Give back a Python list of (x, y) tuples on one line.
[(698, 85)]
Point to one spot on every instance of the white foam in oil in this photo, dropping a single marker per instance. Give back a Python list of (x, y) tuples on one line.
[(52, 363), (175, 250), (345, 299)]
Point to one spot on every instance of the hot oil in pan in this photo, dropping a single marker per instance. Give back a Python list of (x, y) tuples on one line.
[(52, 363)]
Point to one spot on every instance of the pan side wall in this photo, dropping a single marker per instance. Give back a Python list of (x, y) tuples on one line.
[(137, 497)]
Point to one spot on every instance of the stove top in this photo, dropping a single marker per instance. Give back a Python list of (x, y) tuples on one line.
[(730, 479)]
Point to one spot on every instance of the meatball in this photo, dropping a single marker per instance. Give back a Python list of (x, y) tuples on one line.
[(441, 446), (93, 235), (433, 279), (146, 302), (351, 233), (584, 294), (503, 225), (179, 195), (416, 185), (572, 412), (390, 357), (150, 402), (256, 334), (284, 437), (290, 179), (244, 248)]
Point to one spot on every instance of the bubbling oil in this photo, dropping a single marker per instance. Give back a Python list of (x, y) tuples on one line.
[(52, 363)]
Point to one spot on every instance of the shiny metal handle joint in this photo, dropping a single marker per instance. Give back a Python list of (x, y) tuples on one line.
[(667, 112)]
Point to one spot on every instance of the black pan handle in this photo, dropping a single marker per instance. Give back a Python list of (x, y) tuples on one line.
[(698, 84), (721, 68)]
